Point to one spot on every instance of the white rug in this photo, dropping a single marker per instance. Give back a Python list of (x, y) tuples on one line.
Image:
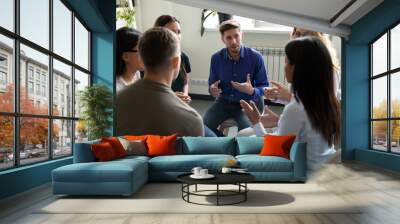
[(166, 198)]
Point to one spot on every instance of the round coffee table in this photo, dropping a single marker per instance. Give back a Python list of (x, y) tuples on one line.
[(238, 179)]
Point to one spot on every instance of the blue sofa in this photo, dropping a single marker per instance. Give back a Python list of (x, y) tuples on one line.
[(125, 176)]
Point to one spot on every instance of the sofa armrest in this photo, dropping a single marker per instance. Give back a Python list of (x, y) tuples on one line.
[(298, 155), (83, 152)]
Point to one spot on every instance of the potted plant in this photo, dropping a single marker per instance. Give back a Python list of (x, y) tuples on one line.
[(96, 104)]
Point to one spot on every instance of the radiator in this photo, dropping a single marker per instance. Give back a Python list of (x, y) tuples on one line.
[(274, 59)]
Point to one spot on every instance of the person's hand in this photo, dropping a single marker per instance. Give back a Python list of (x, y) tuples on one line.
[(183, 97), (279, 91), (269, 119), (215, 90), (244, 87), (251, 111)]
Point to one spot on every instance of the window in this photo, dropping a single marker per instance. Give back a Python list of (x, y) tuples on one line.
[(45, 131), (30, 73), (246, 24), (385, 96), (3, 78), (3, 72), (30, 87)]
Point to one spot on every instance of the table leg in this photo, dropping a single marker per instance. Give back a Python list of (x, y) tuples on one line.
[(217, 194)]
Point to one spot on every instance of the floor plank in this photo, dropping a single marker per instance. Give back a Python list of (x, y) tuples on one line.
[(353, 182)]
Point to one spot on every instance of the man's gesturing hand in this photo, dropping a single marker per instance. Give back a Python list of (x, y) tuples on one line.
[(244, 87), (215, 90)]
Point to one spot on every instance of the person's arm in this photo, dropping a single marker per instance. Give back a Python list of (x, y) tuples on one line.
[(212, 78), (260, 80)]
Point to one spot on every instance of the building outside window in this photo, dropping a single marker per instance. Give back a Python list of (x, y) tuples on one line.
[(58, 133), (385, 94)]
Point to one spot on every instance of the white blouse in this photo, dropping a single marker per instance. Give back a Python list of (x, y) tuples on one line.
[(122, 84), (294, 121)]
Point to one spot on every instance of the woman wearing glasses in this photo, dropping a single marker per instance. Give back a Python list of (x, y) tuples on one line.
[(128, 61)]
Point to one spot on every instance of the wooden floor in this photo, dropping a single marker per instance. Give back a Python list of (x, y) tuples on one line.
[(351, 181)]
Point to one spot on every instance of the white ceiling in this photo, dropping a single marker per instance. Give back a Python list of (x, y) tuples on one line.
[(318, 15)]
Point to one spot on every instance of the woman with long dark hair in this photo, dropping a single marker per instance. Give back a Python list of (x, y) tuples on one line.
[(313, 114), (128, 61), (180, 85)]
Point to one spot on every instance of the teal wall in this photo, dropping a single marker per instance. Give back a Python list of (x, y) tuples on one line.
[(99, 16), (355, 85)]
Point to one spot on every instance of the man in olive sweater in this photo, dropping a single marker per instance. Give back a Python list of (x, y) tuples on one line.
[(149, 106)]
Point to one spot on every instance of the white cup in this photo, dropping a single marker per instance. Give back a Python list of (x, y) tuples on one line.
[(196, 170), (203, 172), (226, 170)]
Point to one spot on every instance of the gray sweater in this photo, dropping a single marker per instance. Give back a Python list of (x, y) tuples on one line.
[(147, 107)]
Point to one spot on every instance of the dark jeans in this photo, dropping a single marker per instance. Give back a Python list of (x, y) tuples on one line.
[(208, 132), (222, 110)]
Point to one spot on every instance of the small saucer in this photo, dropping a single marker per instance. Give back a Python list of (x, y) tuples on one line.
[(208, 176)]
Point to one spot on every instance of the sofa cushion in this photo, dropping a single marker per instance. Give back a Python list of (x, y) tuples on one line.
[(112, 171), (257, 163), (161, 145), (103, 152), (83, 152), (249, 145), (134, 147), (185, 163), (116, 145), (277, 145), (209, 145)]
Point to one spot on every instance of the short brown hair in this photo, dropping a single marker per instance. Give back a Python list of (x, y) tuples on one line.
[(157, 47), (228, 25), (165, 19)]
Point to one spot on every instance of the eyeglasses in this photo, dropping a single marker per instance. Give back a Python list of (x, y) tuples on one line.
[(131, 51)]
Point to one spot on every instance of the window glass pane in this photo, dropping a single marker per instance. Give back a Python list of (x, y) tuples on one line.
[(81, 45), (379, 97), (7, 14), (35, 21), (81, 131), (395, 136), (379, 135), (379, 55), (62, 89), (81, 81), (395, 47), (6, 74), (34, 97), (395, 95), (6, 142), (33, 139), (62, 29), (62, 138)]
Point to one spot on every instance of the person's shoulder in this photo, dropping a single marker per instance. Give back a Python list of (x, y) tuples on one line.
[(252, 51), (294, 107), (219, 54)]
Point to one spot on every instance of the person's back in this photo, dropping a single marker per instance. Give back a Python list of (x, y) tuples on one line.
[(148, 107)]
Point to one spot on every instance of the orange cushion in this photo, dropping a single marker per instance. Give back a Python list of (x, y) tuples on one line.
[(103, 151), (161, 145), (275, 145), (116, 145), (136, 137)]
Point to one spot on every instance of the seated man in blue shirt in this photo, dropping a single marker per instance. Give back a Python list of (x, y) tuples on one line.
[(236, 73)]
